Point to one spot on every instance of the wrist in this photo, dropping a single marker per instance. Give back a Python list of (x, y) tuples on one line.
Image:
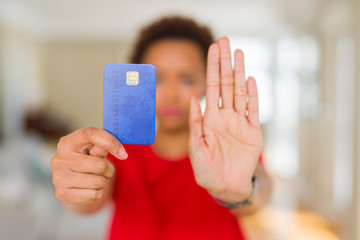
[(233, 201), (233, 194)]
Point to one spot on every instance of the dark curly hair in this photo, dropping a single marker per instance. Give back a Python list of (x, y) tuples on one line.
[(173, 27)]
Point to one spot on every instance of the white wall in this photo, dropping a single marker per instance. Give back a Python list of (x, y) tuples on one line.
[(356, 170), (74, 78), (22, 88)]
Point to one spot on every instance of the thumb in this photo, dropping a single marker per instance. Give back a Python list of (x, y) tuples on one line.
[(195, 120)]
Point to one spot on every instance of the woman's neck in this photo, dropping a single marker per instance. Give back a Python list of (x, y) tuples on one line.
[(171, 145)]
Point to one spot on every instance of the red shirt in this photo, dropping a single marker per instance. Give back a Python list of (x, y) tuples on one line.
[(159, 199)]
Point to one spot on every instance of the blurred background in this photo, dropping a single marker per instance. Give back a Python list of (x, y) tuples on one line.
[(304, 54)]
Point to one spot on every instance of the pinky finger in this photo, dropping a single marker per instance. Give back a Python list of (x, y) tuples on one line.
[(77, 196), (253, 102)]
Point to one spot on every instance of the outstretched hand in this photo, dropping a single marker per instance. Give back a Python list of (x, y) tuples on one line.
[(225, 144)]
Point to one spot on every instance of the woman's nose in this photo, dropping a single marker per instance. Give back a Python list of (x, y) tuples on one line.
[(171, 90)]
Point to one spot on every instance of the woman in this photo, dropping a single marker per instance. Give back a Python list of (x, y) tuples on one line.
[(201, 173)]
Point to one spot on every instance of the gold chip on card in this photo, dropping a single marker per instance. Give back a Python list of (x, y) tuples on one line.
[(132, 78)]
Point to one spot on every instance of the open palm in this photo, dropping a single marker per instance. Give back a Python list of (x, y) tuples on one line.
[(225, 144)]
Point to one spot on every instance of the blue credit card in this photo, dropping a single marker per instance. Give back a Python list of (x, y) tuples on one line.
[(129, 102)]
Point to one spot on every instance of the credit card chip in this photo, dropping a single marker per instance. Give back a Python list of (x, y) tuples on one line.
[(132, 78)]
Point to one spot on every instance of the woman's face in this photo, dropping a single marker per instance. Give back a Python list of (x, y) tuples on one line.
[(180, 68)]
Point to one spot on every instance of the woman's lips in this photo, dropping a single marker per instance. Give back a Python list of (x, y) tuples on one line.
[(171, 112)]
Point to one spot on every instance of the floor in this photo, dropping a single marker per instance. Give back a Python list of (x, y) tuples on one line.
[(283, 220), (274, 223)]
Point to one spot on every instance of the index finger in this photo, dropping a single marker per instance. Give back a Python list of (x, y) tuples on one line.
[(212, 78), (240, 90), (82, 140)]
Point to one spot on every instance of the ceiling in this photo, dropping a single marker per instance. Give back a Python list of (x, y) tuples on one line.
[(107, 19)]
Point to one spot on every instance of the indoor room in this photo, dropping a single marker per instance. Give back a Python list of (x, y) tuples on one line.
[(304, 55)]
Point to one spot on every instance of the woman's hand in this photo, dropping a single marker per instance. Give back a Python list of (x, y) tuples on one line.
[(225, 144), (79, 167)]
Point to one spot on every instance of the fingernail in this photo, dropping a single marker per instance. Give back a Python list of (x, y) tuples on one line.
[(123, 154)]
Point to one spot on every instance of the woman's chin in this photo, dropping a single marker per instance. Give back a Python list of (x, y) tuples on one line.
[(173, 126)]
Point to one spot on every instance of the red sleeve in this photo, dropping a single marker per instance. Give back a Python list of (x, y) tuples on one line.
[(261, 158)]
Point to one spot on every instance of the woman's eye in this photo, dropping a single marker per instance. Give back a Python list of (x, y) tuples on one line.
[(187, 81)]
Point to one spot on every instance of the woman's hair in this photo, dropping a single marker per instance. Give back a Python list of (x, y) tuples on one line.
[(173, 27)]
